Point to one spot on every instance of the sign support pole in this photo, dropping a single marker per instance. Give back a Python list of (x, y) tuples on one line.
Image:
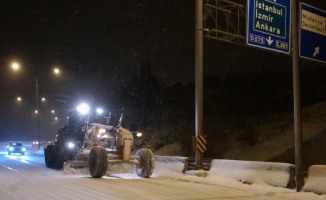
[(296, 98), (199, 78)]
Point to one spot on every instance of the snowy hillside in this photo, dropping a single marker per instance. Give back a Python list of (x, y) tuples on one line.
[(277, 141)]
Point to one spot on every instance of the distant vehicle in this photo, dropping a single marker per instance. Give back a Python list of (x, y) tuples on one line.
[(16, 147)]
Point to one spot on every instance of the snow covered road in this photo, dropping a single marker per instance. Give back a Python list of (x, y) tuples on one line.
[(26, 177)]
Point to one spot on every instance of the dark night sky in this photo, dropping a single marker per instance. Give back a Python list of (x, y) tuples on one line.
[(91, 38), (116, 35)]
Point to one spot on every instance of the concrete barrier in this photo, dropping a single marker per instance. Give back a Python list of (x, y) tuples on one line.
[(172, 163), (249, 172), (316, 181)]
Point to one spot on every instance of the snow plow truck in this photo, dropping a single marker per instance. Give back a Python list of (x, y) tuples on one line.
[(85, 143)]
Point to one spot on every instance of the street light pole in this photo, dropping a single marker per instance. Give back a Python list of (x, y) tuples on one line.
[(199, 79), (15, 67), (38, 115)]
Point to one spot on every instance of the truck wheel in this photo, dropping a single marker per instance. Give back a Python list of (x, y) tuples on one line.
[(50, 158), (145, 167), (97, 162), (48, 154)]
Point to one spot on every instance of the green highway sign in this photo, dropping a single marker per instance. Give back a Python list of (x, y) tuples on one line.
[(268, 24)]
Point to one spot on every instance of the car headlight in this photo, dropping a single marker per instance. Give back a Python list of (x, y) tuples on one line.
[(71, 145), (23, 149), (11, 148)]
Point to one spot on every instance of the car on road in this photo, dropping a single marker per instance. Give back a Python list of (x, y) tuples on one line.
[(16, 147)]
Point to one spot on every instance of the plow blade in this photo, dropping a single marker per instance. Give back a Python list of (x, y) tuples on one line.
[(75, 164)]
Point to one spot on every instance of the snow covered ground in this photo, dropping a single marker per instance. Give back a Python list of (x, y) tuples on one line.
[(316, 180), (26, 177), (253, 177)]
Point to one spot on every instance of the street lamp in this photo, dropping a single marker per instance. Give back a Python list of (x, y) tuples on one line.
[(15, 66), (56, 70), (38, 116)]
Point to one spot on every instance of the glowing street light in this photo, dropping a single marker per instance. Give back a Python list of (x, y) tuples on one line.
[(15, 66), (19, 99), (56, 71)]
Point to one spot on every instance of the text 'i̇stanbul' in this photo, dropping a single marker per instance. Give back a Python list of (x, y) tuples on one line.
[(269, 18)]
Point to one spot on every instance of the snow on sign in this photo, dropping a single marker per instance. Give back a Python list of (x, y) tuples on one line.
[(268, 24), (312, 33)]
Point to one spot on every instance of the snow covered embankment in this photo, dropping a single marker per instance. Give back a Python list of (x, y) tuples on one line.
[(250, 172), (316, 181)]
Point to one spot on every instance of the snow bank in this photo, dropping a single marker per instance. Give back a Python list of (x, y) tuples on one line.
[(174, 149), (316, 181), (250, 172)]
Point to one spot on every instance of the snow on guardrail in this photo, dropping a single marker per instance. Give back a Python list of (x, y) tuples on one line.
[(249, 172), (316, 181)]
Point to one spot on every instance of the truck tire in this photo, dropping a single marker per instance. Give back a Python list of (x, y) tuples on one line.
[(145, 167), (97, 162), (51, 161)]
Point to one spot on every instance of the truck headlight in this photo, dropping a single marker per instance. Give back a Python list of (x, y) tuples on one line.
[(23, 149), (71, 145), (139, 134), (11, 148), (102, 130)]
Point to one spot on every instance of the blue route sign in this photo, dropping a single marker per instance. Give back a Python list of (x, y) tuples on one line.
[(268, 24), (312, 33)]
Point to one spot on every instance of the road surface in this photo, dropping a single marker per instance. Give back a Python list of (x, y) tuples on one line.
[(26, 177)]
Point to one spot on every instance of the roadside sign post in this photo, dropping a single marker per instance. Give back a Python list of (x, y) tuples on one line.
[(312, 33), (268, 25), (299, 174)]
